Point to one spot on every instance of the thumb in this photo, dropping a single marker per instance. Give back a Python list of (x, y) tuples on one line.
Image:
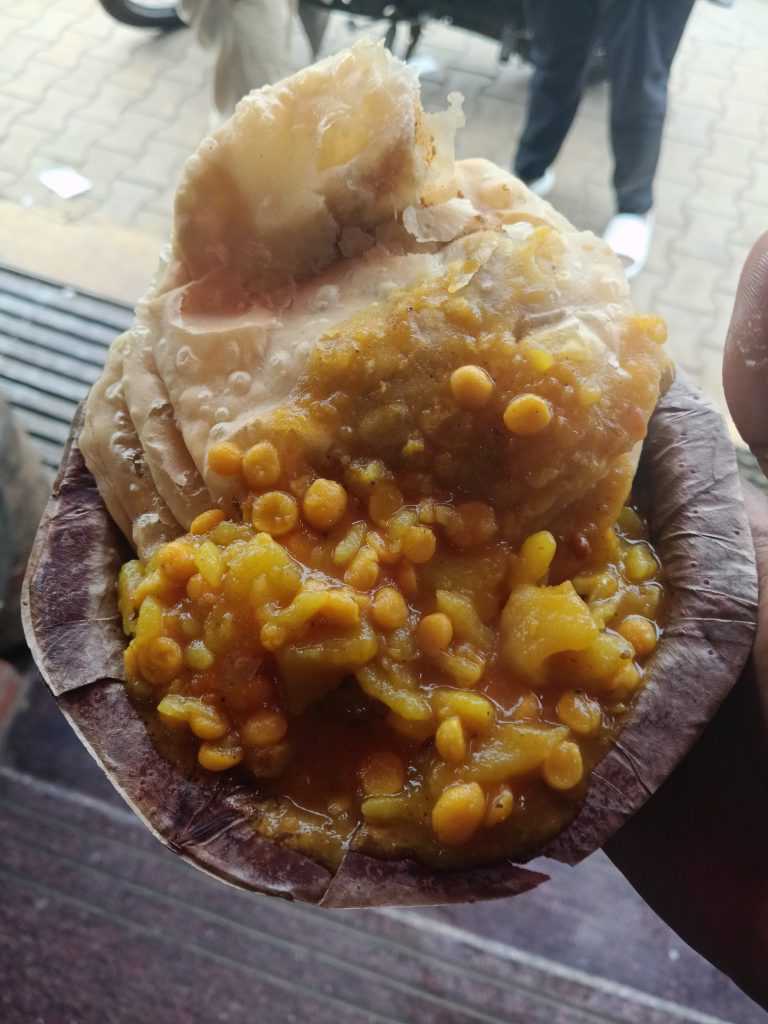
[(745, 364)]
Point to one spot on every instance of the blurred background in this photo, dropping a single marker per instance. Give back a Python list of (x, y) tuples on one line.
[(96, 121)]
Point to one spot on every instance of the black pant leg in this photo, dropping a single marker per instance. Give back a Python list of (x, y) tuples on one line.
[(564, 33), (642, 37)]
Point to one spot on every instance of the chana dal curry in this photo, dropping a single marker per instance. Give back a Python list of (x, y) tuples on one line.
[(373, 437)]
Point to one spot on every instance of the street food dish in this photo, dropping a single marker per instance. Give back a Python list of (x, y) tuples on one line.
[(398, 616)]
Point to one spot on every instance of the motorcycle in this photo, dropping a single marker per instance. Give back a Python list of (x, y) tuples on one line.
[(500, 20), (143, 13)]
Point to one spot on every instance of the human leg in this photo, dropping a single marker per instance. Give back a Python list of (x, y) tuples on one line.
[(315, 22), (642, 37), (564, 32), (254, 50), (251, 39)]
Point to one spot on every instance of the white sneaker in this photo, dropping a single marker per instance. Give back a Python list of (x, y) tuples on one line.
[(629, 235), (543, 186)]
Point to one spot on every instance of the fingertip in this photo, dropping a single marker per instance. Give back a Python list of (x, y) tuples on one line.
[(745, 361)]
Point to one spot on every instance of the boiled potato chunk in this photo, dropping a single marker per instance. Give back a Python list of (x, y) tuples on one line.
[(538, 622)]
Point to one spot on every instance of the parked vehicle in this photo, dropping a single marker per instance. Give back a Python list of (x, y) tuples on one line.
[(502, 20), (143, 13)]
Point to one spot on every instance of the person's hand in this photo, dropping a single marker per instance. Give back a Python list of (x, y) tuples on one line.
[(745, 379), (698, 850)]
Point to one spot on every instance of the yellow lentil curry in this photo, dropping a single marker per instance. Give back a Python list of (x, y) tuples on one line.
[(398, 635)]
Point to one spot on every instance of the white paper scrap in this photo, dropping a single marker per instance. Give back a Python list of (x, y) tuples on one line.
[(66, 182)]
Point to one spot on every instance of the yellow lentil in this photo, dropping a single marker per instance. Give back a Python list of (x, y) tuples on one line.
[(131, 660), (177, 561), (227, 533), (539, 359), (527, 707), (475, 711), (219, 631), (388, 608), (434, 633), (272, 637), (264, 729), (450, 741), (363, 571), (218, 758), (458, 813), (640, 632), (210, 563), (350, 544), (160, 660), (602, 659), (381, 774), (630, 523), (527, 414), (500, 806), (207, 724), (197, 656), (275, 512), (150, 621), (579, 712), (535, 557), (563, 767), (383, 552), (324, 503), (419, 544), (175, 710), (198, 589), (466, 666), (261, 465), (206, 521), (624, 681), (471, 386), (225, 459), (640, 563), (382, 808)]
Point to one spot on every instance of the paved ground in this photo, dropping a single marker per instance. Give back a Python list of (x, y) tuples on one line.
[(125, 107)]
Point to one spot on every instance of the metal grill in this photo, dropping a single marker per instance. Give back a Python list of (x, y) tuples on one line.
[(53, 342)]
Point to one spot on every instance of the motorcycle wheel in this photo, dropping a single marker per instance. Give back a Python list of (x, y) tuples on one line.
[(143, 15)]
